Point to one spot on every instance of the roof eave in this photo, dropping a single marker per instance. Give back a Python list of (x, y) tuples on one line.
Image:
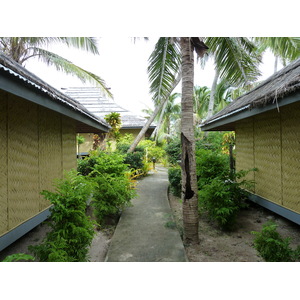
[(13, 85), (227, 122)]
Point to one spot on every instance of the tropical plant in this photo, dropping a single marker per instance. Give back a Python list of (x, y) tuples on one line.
[(20, 49), (286, 49), (174, 176), (272, 247), (201, 101), (72, 230), (18, 257), (169, 113), (172, 59), (114, 120)]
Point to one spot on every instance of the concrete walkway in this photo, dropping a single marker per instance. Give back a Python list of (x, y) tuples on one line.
[(143, 234)]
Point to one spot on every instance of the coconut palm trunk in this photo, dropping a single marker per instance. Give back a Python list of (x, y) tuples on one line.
[(212, 95), (151, 119), (188, 161)]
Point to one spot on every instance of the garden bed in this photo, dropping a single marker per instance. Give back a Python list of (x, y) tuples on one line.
[(236, 246)]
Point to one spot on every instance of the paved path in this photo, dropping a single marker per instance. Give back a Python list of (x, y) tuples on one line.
[(141, 234)]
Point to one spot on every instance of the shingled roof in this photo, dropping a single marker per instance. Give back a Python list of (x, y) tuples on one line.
[(21, 82), (97, 103), (270, 94)]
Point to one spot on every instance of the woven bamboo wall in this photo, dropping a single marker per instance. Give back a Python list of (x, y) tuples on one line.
[(276, 149), (290, 120), (267, 158), (245, 147), (23, 164), (37, 145), (3, 163), (68, 143), (50, 152)]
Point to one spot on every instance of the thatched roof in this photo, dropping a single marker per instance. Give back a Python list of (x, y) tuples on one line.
[(97, 103), (25, 77), (270, 92)]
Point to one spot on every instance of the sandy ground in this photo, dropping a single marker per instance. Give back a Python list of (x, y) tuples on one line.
[(235, 246), (215, 245), (97, 251)]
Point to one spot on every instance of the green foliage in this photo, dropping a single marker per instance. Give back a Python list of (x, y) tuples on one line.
[(173, 150), (112, 187), (272, 247), (18, 257), (211, 141), (111, 195), (221, 192), (210, 165), (114, 120), (174, 175), (222, 199), (85, 166), (152, 150), (72, 231), (134, 160), (80, 139)]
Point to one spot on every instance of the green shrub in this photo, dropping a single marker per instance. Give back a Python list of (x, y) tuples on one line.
[(85, 166), (135, 160), (210, 141), (151, 150), (72, 230), (210, 165), (173, 150), (111, 195), (174, 175), (110, 163), (223, 198), (18, 257), (112, 188), (272, 247)]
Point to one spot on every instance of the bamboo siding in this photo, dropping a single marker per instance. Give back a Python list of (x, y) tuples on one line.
[(37, 145), (245, 147), (272, 146), (290, 120), (3, 164)]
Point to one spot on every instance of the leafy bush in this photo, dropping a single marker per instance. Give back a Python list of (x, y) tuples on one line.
[(112, 187), (72, 231), (222, 200), (272, 247), (111, 195), (18, 257), (174, 175), (135, 161), (151, 150), (173, 150), (210, 165), (85, 166), (210, 141)]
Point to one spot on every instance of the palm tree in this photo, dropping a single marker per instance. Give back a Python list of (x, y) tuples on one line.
[(238, 61), (201, 101), (169, 112), (285, 48), (170, 57), (21, 49)]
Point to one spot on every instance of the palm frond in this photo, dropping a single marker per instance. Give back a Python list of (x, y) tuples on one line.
[(235, 58), (62, 64), (287, 48), (164, 65)]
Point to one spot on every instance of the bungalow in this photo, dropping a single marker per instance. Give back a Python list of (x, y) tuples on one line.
[(266, 121), (38, 127), (94, 100)]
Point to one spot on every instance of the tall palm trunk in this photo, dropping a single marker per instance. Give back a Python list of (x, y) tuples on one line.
[(212, 95), (188, 162), (152, 117)]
